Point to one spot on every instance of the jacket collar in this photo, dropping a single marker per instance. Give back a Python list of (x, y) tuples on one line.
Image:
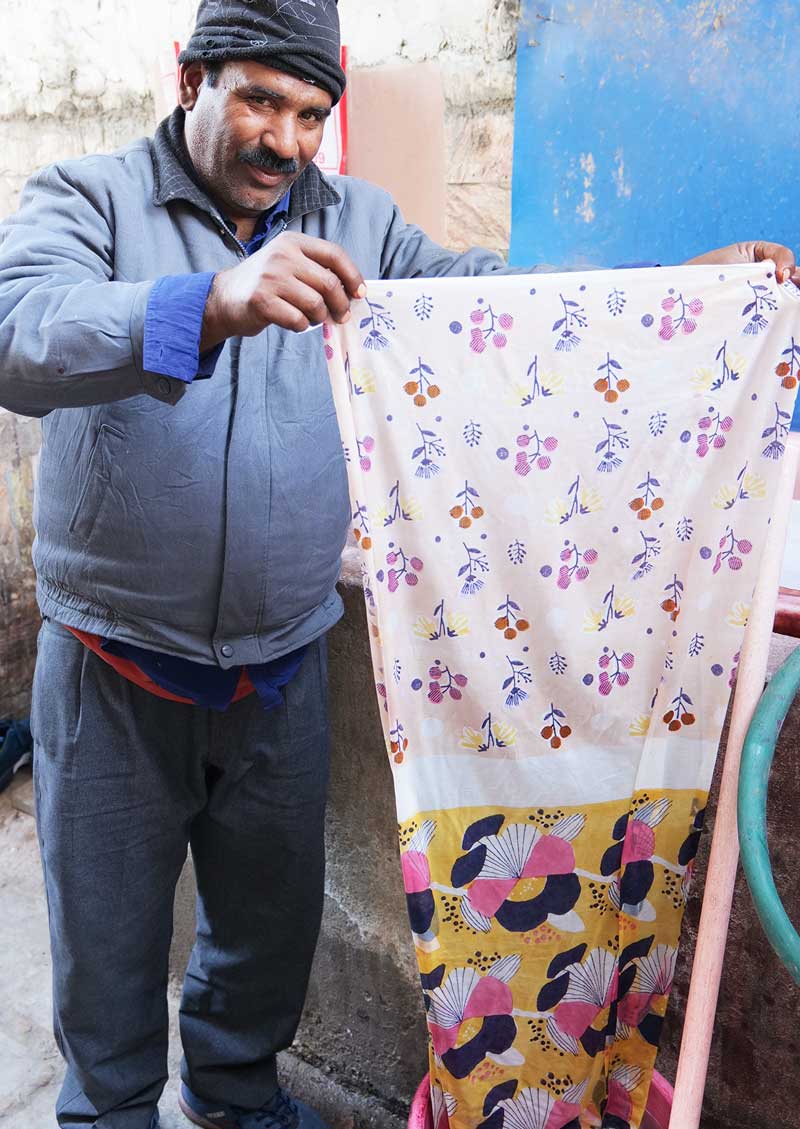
[(175, 178)]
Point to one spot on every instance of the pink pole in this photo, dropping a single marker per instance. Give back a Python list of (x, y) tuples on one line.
[(698, 1025)]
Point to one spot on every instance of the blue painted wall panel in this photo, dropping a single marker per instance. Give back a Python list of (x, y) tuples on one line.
[(654, 131)]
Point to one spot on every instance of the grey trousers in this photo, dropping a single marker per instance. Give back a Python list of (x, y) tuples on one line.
[(124, 782)]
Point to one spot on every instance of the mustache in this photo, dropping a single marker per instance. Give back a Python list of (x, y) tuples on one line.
[(268, 161)]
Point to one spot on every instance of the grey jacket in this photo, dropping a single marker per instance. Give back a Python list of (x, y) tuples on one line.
[(205, 520)]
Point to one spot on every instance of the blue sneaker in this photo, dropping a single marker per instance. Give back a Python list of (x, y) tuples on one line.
[(281, 1112), (16, 748)]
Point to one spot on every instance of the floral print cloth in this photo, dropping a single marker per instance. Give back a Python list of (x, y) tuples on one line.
[(561, 486)]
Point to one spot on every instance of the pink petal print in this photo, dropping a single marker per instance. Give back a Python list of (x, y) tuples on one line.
[(551, 855), (489, 997), (640, 842), (574, 1018), (416, 872), (633, 1007), (488, 894), (443, 1038), (695, 306)]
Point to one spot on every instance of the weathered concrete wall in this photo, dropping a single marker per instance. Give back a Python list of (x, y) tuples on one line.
[(76, 78), (19, 444)]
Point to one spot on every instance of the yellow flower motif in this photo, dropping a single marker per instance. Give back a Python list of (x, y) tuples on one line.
[(703, 379), (412, 508), (425, 628), (590, 499), (502, 736), (470, 738), (555, 510), (739, 614), (457, 624), (623, 606), (505, 733), (754, 485), (362, 380), (639, 726), (552, 383), (724, 497), (592, 621)]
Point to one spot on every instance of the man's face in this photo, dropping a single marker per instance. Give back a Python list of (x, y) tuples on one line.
[(251, 132)]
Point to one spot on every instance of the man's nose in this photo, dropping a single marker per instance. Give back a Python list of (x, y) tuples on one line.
[(281, 138)]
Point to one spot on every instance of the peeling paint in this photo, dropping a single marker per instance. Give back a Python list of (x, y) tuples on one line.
[(586, 208), (618, 176)]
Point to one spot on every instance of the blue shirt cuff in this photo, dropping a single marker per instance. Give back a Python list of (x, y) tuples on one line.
[(172, 325)]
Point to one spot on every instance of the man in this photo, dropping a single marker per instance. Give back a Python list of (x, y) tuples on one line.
[(191, 512)]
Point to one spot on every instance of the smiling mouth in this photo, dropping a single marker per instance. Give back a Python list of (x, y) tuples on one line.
[(266, 177)]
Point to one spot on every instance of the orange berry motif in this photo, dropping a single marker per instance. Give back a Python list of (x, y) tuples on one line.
[(647, 503), (671, 604), (361, 528), (784, 368), (680, 714), (466, 510), (423, 387), (555, 729), (510, 620), (398, 742), (611, 384)]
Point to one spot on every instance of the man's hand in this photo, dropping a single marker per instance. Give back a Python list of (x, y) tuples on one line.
[(295, 281), (755, 252)]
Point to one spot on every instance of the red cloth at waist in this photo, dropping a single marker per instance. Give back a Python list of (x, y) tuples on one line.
[(133, 674)]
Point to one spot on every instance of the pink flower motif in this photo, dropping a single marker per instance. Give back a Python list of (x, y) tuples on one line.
[(506, 321), (667, 332)]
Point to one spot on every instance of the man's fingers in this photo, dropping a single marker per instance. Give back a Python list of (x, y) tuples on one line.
[(783, 258), (326, 283), (335, 258), (307, 300)]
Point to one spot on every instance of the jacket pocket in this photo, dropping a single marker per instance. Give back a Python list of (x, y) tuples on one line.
[(93, 491)]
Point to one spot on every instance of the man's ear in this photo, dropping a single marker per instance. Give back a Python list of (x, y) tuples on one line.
[(190, 79)]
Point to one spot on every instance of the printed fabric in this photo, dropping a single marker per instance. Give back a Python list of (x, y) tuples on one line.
[(561, 487)]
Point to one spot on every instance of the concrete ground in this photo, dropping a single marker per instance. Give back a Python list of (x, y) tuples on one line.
[(30, 1066)]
